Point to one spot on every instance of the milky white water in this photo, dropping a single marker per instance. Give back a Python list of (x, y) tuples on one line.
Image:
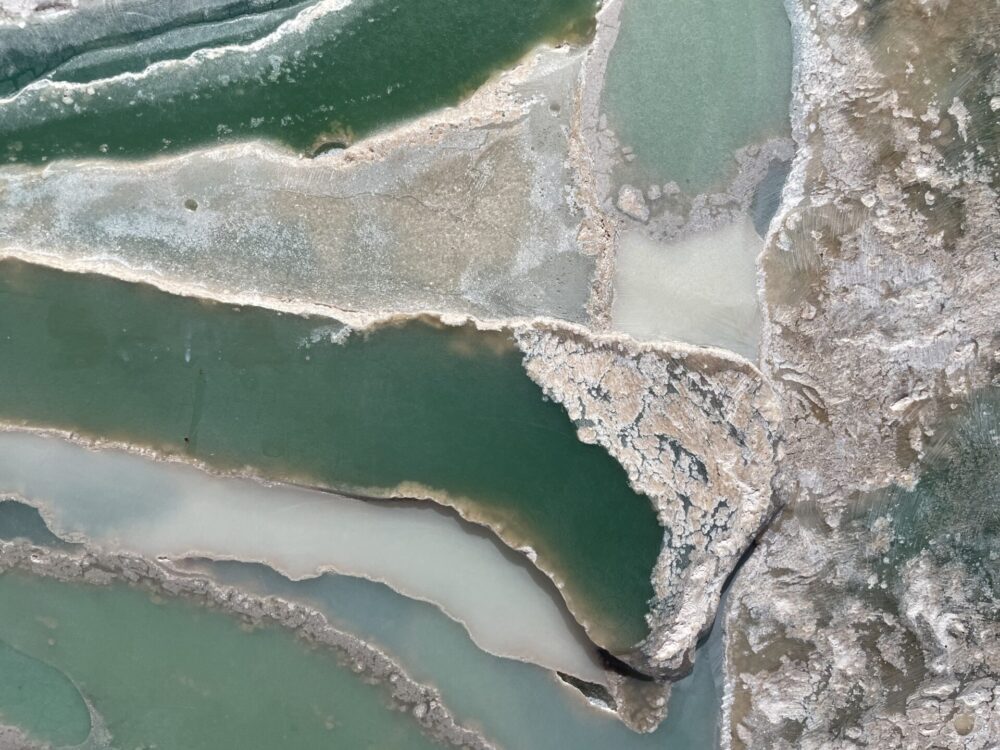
[(699, 290), (126, 502)]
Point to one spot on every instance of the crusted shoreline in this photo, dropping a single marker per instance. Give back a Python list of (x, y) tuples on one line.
[(519, 554), (94, 568), (878, 290), (697, 435), (729, 401)]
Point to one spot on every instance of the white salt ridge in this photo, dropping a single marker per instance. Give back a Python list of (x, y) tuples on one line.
[(124, 502), (186, 36), (498, 240)]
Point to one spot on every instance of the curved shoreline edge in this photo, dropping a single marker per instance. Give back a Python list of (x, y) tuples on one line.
[(423, 703)]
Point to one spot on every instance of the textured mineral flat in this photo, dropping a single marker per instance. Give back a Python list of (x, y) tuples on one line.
[(526, 374)]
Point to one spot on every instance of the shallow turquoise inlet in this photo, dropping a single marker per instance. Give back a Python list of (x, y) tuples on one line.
[(521, 706), (38, 698), (690, 81), (174, 675)]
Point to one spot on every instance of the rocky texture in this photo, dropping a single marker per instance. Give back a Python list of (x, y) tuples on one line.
[(672, 215), (824, 653), (880, 273), (16, 11), (695, 431), (879, 281), (12, 738), (881, 630), (632, 202), (369, 663)]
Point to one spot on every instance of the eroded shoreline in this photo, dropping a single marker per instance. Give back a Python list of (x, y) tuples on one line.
[(91, 568), (612, 357), (303, 524)]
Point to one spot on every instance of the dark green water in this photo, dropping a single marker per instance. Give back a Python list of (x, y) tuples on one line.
[(93, 43), (346, 74), (20, 521), (176, 676), (450, 409)]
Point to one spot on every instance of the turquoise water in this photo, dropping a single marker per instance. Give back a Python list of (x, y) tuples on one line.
[(40, 699), (20, 521), (448, 408), (177, 676), (689, 82), (124, 502), (482, 690)]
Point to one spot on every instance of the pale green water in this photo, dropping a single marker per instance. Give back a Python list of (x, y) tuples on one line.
[(131, 503), (40, 699), (521, 706), (20, 521), (691, 81), (182, 677), (481, 689), (449, 408)]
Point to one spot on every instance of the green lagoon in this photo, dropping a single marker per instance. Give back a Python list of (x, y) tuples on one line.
[(450, 409), (689, 82), (38, 698), (351, 68), (174, 675)]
